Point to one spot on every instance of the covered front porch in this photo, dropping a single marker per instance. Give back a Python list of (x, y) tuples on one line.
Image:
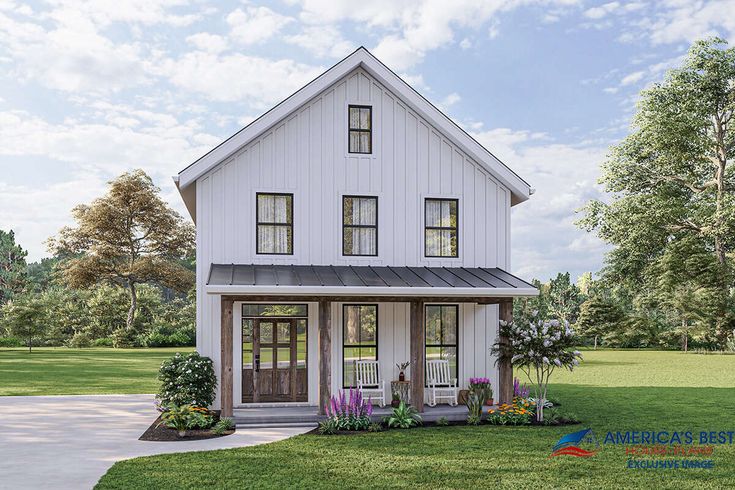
[(482, 295)]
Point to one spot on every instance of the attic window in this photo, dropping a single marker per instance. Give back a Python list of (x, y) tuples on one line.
[(361, 129)]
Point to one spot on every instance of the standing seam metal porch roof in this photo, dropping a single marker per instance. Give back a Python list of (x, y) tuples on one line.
[(314, 276)]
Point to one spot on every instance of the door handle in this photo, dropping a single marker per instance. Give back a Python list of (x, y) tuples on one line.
[(257, 363)]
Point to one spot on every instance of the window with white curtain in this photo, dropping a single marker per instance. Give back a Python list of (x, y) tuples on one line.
[(274, 216), (441, 228), (360, 129), (359, 225)]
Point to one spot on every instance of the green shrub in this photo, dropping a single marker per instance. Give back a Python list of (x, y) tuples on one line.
[(473, 420), (168, 336), (375, 427), (187, 379), (328, 426), (442, 422), (122, 338), (403, 417), (103, 342), (179, 417), (223, 425), (201, 418), (10, 342), (79, 340)]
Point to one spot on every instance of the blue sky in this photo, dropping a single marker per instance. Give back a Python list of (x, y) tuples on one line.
[(89, 90)]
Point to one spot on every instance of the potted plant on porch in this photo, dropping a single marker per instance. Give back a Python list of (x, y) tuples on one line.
[(402, 366), (481, 386)]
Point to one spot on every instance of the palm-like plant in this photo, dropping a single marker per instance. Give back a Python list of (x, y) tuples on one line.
[(404, 417)]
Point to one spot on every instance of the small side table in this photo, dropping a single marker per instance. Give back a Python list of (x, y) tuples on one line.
[(403, 388)]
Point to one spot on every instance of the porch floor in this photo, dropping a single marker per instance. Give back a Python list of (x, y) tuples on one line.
[(302, 416)]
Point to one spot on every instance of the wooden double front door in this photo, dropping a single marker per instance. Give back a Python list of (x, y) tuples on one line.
[(274, 367)]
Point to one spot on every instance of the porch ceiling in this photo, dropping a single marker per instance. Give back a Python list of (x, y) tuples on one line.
[(328, 280)]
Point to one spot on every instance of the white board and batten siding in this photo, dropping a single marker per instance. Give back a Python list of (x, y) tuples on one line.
[(306, 154)]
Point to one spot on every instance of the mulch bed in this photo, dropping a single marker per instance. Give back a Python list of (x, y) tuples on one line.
[(426, 425), (164, 434)]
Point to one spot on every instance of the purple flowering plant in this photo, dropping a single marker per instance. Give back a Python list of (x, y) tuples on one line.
[(520, 390), (349, 411), (482, 387)]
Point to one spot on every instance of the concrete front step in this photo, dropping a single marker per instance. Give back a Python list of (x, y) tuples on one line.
[(274, 425)]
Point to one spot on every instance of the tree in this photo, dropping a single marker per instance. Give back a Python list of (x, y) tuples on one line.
[(537, 348), (599, 316), (564, 298), (24, 317), (12, 266), (126, 238), (40, 275), (670, 179)]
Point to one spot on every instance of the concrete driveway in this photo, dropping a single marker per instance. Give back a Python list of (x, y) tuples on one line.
[(69, 442)]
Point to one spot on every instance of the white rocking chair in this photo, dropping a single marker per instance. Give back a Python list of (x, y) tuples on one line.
[(369, 382), (440, 384)]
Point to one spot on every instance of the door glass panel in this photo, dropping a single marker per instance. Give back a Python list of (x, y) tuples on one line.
[(266, 333), (284, 358), (247, 344), (266, 358), (284, 332), (301, 344)]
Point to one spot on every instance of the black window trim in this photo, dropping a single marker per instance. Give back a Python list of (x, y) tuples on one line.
[(352, 346), (350, 129), (450, 228), (440, 345), (375, 226), (258, 223)]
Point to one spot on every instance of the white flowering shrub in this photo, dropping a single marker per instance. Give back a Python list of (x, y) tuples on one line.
[(538, 348), (187, 380)]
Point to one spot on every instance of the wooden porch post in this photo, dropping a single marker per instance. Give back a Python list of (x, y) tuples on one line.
[(418, 354), (325, 354), (505, 375), (225, 381)]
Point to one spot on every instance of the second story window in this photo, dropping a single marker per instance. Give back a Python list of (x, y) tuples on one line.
[(442, 224), (274, 217), (359, 225), (361, 129)]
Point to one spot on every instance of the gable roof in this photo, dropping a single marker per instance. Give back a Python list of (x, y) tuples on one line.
[(360, 58)]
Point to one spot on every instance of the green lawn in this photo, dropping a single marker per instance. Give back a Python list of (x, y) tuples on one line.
[(62, 371), (614, 390)]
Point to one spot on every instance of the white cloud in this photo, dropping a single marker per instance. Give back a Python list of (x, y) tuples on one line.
[(251, 80), (37, 212), (678, 21), (208, 42), (610, 90), (450, 100), (71, 55), (465, 43), (323, 41), (256, 24), (545, 238), (118, 140), (632, 78), (412, 27), (602, 10)]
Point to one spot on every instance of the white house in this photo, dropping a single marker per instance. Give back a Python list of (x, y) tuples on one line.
[(354, 220)]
